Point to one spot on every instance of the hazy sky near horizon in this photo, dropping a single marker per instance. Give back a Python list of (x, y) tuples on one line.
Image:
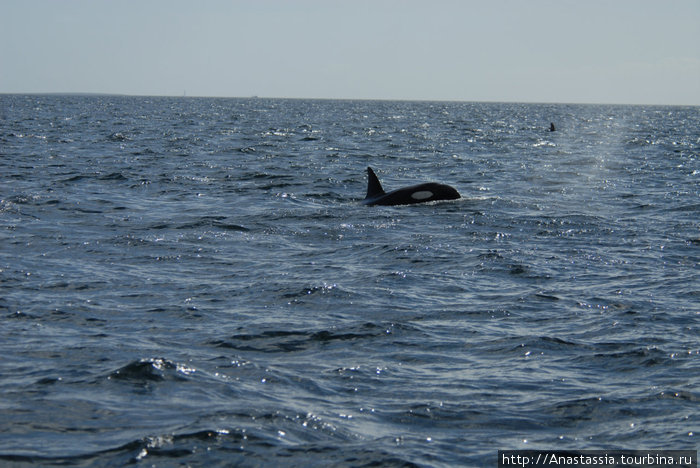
[(592, 51)]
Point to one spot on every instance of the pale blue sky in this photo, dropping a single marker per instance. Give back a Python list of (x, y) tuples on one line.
[(592, 51)]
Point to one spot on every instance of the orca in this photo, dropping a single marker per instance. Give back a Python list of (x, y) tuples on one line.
[(421, 193)]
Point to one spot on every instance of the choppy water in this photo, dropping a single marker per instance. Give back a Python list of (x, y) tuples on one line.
[(194, 281)]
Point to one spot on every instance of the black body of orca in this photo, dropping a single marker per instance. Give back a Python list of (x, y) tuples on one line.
[(408, 195)]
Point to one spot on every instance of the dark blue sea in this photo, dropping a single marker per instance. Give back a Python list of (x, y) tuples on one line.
[(195, 282)]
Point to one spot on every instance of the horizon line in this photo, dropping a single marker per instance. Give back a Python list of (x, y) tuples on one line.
[(485, 101)]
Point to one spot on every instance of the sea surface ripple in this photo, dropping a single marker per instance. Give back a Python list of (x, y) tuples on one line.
[(191, 281)]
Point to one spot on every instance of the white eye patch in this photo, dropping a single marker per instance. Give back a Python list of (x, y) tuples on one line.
[(422, 195)]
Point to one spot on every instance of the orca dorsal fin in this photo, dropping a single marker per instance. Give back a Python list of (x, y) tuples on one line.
[(374, 188)]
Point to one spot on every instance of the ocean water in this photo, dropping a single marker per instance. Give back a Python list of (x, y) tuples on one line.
[(194, 282)]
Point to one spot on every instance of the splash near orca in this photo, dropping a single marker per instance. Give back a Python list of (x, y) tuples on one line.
[(421, 193)]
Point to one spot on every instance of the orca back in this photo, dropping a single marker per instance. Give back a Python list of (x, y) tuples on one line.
[(422, 193)]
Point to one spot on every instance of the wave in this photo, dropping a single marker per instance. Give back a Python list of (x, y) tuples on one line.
[(148, 370), (118, 137), (228, 447), (202, 222), (275, 341), (111, 176)]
